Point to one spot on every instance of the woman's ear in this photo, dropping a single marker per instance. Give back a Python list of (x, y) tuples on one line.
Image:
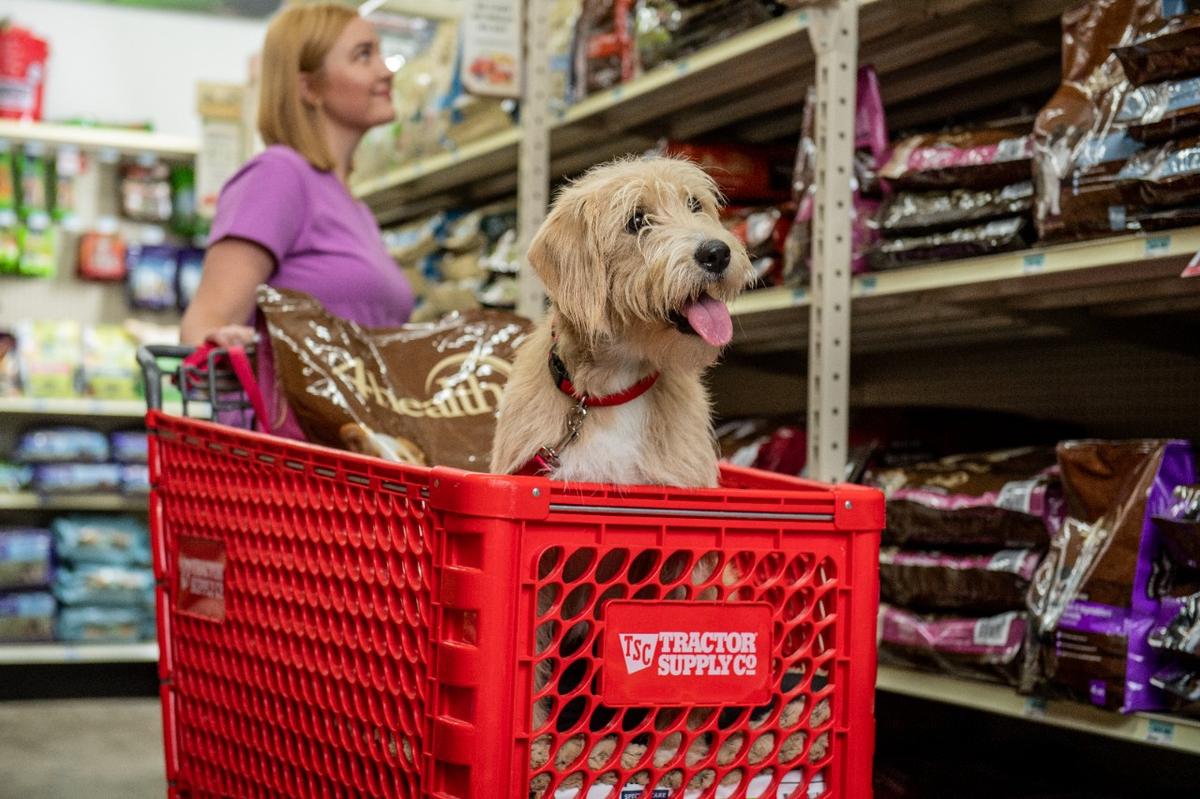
[(565, 256), (308, 85)]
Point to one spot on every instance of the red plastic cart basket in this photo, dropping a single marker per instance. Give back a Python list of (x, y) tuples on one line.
[(333, 625)]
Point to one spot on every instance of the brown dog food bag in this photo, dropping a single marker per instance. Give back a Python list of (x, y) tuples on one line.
[(975, 583), (987, 648), (1171, 51), (425, 393), (977, 159), (987, 501)]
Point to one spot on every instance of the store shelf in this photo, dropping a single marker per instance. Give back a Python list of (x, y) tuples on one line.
[(127, 142), (40, 654), (27, 500), (751, 87), (1171, 732), (1036, 292), (120, 409)]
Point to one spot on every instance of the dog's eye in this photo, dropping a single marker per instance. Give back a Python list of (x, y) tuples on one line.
[(695, 205), (636, 222)]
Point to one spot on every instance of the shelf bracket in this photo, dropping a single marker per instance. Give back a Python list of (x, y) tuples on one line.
[(833, 29), (533, 177)]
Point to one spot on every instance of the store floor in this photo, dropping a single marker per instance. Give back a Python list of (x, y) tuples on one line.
[(85, 748)]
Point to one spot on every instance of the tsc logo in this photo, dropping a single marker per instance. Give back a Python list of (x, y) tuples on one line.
[(638, 651)]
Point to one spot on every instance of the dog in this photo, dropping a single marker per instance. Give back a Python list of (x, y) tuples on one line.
[(638, 270)]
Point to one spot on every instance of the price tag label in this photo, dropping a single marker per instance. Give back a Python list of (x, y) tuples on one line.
[(867, 285), (1158, 246), (1160, 732), (799, 295), (682, 67), (1033, 264), (1035, 707)]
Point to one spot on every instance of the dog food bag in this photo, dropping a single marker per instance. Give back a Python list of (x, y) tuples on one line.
[(419, 393), (1000, 235), (1181, 634), (25, 558), (988, 648), (27, 617), (979, 159), (61, 444), (1181, 685), (1180, 528), (1162, 112), (96, 624), (1166, 175), (994, 500), (1082, 136), (1171, 51), (109, 586), (933, 581), (102, 539), (76, 478), (870, 150), (1100, 589), (910, 211)]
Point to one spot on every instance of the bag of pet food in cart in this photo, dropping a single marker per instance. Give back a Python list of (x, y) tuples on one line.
[(420, 393)]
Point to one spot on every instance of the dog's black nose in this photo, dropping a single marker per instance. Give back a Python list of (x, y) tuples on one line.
[(713, 255)]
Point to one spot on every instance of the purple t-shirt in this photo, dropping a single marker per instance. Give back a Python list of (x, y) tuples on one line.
[(324, 242)]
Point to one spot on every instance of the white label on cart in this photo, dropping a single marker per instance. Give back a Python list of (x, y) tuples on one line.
[(994, 631), (1160, 732), (201, 589)]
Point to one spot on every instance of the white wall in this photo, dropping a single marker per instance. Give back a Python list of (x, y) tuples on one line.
[(129, 64)]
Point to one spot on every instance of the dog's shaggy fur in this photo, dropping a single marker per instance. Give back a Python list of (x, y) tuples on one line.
[(619, 283)]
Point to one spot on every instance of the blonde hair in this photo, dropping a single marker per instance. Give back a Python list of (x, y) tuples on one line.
[(297, 42)]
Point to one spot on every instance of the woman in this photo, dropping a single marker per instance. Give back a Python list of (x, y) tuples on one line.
[(287, 218)]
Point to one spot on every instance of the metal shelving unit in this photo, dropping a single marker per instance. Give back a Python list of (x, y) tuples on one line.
[(936, 59), (27, 500), (113, 140), (45, 654), (1172, 732)]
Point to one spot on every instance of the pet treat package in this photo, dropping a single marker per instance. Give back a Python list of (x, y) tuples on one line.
[(989, 648), (62, 444), (26, 559), (933, 581), (423, 393), (76, 478), (1103, 114), (27, 617), (1101, 588), (996, 500)]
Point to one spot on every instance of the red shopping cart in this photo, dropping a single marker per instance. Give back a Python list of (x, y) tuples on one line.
[(334, 625)]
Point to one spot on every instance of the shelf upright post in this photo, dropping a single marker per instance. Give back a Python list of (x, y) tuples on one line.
[(833, 29), (533, 178)]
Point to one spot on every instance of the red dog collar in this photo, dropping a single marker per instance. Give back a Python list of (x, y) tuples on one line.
[(546, 459)]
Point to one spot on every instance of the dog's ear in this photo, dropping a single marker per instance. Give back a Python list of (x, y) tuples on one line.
[(565, 255)]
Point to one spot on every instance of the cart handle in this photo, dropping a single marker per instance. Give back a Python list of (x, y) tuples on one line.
[(152, 374)]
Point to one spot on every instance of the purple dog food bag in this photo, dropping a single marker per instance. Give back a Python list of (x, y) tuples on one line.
[(988, 648), (1101, 588)]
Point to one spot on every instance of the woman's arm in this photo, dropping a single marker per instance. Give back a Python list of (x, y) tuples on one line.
[(224, 301)]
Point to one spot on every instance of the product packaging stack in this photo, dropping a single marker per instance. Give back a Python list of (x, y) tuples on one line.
[(964, 537), (459, 260), (956, 195), (1117, 144), (1177, 641), (78, 460), (104, 582), (62, 359), (1107, 581), (26, 571)]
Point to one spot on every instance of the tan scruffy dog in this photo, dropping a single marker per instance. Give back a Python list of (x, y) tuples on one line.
[(638, 270)]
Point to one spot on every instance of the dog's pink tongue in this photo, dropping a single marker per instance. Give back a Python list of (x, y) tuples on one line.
[(710, 319)]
